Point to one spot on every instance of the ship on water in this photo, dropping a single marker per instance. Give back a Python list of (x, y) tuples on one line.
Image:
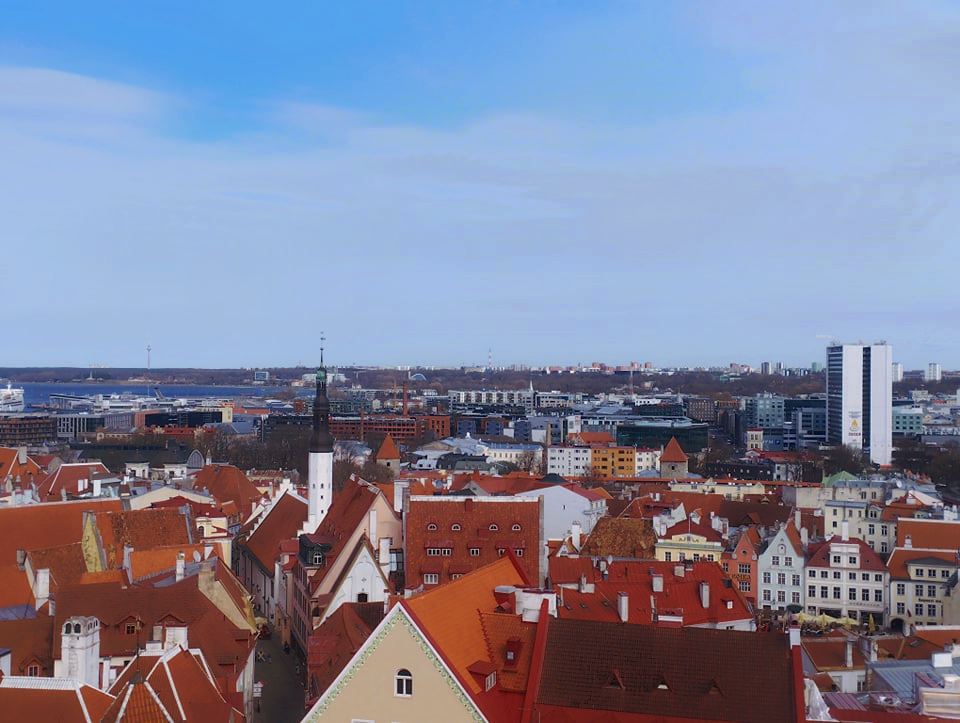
[(11, 399)]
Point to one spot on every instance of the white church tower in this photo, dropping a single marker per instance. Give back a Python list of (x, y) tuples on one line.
[(80, 651), (320, 463)]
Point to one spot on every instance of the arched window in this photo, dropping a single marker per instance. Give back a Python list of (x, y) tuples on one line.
[(432, 526), (494, 526), (403, 683), (77, 628), (455, 526), (516, 527), (66, 628)]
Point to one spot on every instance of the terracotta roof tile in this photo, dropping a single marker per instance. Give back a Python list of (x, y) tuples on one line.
[(14, 588), (67, 479), (66, 563), (37, 699), (282, 522), (388, 449), (34, 527), (929, 534), (225, 482), (143, 529), (666, 673), (621, 537), (30, 641), (334, 643), (451, 613), (673, 452)]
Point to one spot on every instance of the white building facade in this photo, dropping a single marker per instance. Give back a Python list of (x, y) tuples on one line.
[(860, 398)]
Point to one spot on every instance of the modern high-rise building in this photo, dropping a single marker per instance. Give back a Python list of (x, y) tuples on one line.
[(860, 398), (897, 372), (932, 373)]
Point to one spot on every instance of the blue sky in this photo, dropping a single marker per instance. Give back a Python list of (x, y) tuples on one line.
[(560, 182)]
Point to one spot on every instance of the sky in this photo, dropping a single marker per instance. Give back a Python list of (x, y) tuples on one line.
[(439, 183)]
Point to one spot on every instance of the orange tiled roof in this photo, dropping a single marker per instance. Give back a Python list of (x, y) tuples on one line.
[(66, 563), (449, 614), (897, 563), (388, 449), (225, 482), (34, 527), (64, 701), (10, 465), (929, 534), (673, 452), (66, 479), (14, 587), (30, 641), (142, 530)]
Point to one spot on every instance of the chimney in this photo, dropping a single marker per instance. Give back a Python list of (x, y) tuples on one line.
[(678, 570), (400, 488), (181, 566), (845, 530), (794, 637), (796, 519), (97, 486), (908, 541), (21, 455), (127, 549), (41, 586), (657, 581), (207, 549), (848, 653), (575, 534), (623, 606), (705, 593)]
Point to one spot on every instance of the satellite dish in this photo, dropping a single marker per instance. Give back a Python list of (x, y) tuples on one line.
[(196, 556)]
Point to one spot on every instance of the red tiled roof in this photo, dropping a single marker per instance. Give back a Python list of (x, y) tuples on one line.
[(333, 644), (929, 534), (66, 563), (225, 482), (621, 537), (688, 526), (664, 674), (673, 452), (33, 527), (474, 517), (897, 562), (142, 529), (819, 554), (282, 522), (30, 641), (388, 449), (28, 472), (65, 701), (66, 479)]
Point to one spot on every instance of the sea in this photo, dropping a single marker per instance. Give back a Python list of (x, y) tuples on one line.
[(36, 394)]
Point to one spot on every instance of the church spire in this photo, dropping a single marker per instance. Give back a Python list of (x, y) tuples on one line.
[(321, 440)]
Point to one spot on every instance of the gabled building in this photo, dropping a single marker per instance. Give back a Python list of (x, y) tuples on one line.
[(781, 571), (447, 537), (57, 699), (567, 504), (673, 461), (847, 579), (690, 540), (920, 582)]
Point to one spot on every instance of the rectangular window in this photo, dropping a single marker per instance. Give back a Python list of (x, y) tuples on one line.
[(944, 573), (852, 560), (811, 573), (852, 576), (775, 560), (781, 578), (668, 556), (744, 586), (811, 590), (431, 578), (433, 552), (931, 611), (696, 557), (796, 581), (474, 552), (878, 577), (918, 590), (853, 593), (824, 592), (901, 608), (795, 597), (931, 590), (781, 596), (878, 596), (836, 593), (766, 578), (919, 572), (865, 576), (836, 559), (446, 552), (918, 609), (931, 573), (743, 568), (788, 561), (901, 589), (33, 670), (865, 595), (836, 574), (518, 552), (766, 596)]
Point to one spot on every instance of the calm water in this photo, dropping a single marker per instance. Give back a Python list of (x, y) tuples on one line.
[(37, 393)]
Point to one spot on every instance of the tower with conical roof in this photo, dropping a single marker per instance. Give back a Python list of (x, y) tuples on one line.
[(320, 462)]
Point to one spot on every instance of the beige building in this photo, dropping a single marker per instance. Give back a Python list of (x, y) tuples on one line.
[(396, 677)]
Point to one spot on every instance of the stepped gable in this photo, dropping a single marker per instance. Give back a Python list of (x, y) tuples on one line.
[(664, 673), (224, 482), (51, 699), (672, 452), (282, 522), (35, 527)]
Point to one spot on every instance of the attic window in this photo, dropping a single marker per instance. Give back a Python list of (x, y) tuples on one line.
[(432, 526), (493, 526), (715, 689), (615, 681), (455, 526), (516, 527), (130, 629), (662, 684), (403, 683), (33, 670)]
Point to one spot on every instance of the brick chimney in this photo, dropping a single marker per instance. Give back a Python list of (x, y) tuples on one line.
[(623, 606), (705, 593)]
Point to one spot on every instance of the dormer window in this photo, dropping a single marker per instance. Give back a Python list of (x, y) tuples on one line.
[(516, 527), (455, 527), (431, 526), (493, 527)]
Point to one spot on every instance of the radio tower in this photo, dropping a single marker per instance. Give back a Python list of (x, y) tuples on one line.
[(148, 357)]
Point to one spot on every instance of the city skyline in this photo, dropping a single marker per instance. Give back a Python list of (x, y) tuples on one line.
[(688, 185)]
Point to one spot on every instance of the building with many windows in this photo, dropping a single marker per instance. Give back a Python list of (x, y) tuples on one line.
[(846, 579), (860, 398), (780, 571), (919, 582)]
